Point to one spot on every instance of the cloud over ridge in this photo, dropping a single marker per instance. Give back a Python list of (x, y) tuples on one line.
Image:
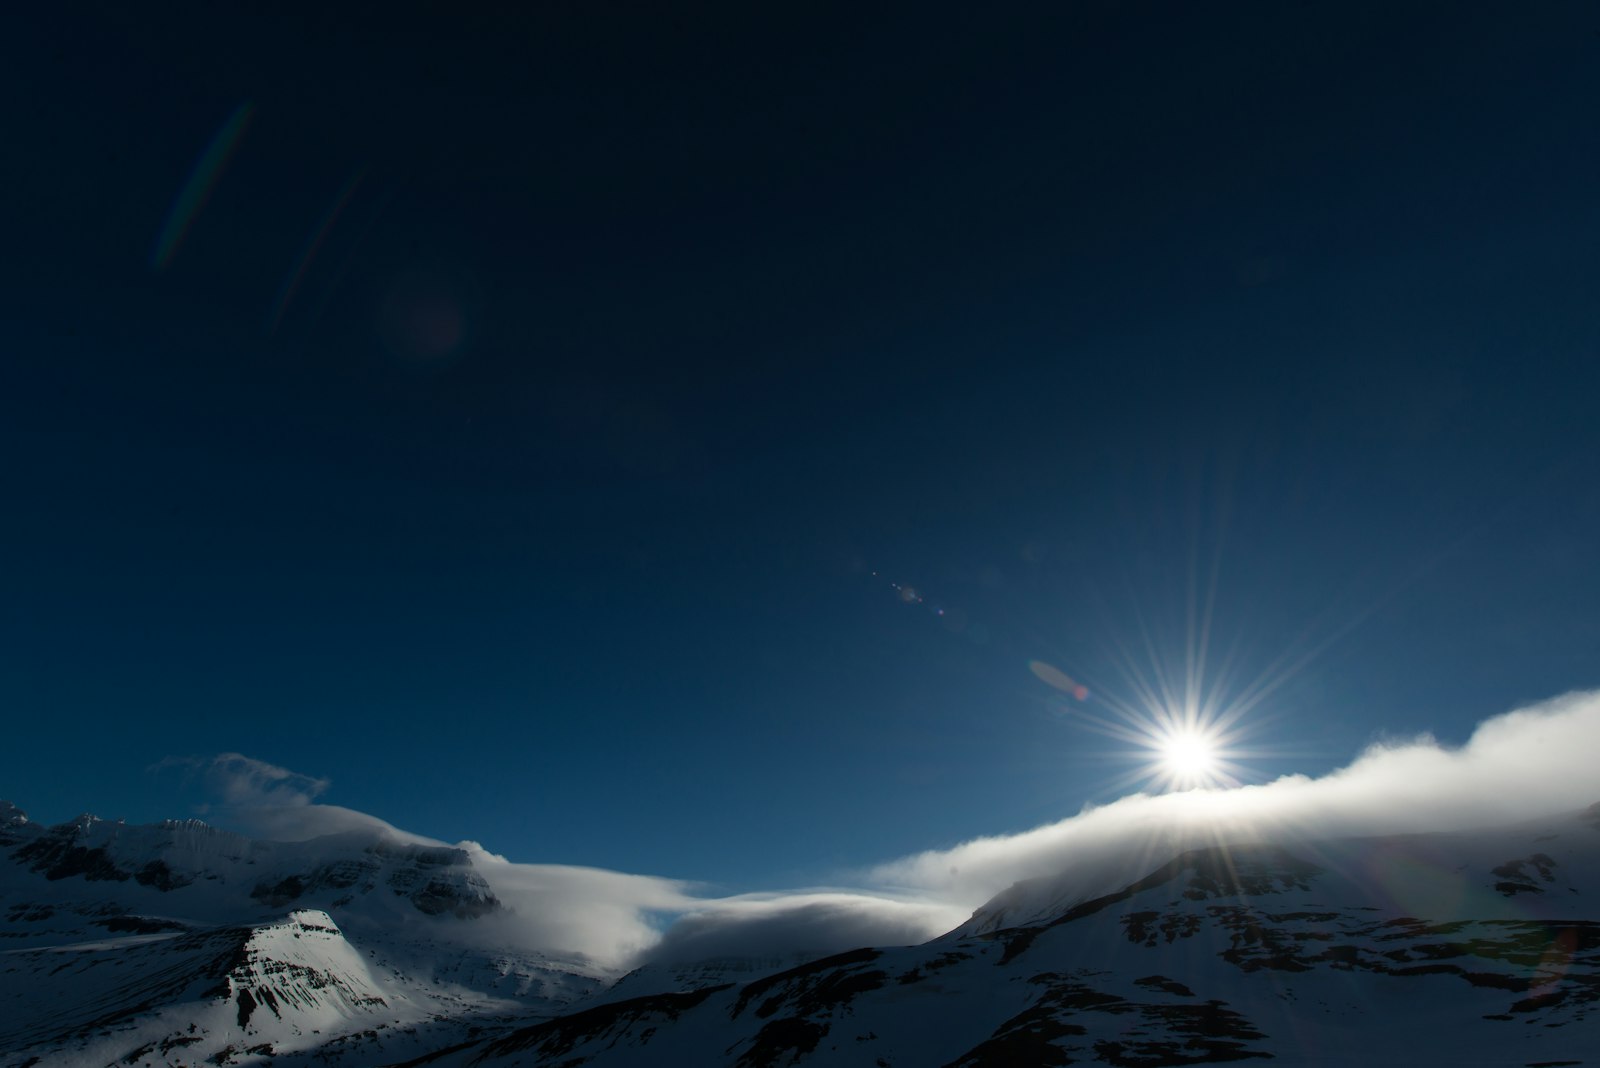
[(1522, 764)]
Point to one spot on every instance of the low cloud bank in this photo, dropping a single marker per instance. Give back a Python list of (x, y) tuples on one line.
[(1523, 764), (1531, 762), (563, 910), (278, 804), (813, 924)]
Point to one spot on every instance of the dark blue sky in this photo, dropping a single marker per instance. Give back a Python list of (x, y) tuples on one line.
[(513, 427)]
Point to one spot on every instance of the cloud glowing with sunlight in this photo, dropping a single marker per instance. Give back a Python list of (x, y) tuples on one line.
[(1532, 762)]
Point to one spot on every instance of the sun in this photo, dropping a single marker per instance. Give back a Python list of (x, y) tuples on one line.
[(1189, 758), (1180, 734)]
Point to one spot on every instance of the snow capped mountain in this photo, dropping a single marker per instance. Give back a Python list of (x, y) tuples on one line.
[(175, 855), (658, 978), (181, 944), (1478, 948)]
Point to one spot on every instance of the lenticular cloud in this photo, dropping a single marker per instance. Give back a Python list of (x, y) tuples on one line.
[(1519, 765), (1523, 764), (800, 924)]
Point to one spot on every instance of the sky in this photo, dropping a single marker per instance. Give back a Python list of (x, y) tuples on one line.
[(531, 425)]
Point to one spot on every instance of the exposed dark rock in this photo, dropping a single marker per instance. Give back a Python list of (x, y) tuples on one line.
[(1043, 1033), (136, 1055), (247, 1005), (280, 893), (157, 874), (782, 1041), (823, 994), (944, 960), (1026, 1038), (58, 856), (1016, 940), (14, 825), (139, 925), (439, 897), (1218, 871), (1148, 927), (760, 988), (1165, 985), (555, 1038), (1516, 879)]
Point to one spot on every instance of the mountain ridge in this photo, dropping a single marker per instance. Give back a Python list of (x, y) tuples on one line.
[(1222, 953), (1281, 948)]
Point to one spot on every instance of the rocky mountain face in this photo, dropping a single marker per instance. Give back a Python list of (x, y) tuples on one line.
[(1479, 948), (175, 854), (179, 943), (1425, 949)]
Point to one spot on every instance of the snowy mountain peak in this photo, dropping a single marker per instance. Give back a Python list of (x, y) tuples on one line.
[(333, 872), (14, 825), (1428, 948), (314, 920), (352, 950), (179, 943)]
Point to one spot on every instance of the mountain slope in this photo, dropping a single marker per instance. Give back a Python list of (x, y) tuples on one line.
[(1451, 948), (178, 943)]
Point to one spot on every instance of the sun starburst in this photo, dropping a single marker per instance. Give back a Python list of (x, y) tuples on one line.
[(1188, 757)]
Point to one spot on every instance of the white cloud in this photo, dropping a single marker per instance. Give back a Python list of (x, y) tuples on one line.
[(814, 923), (612, 918), (239, 780), (278, 804), (1527, 763), (1523, 764), (566, 910)]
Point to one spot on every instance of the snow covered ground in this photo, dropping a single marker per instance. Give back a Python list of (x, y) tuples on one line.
[(1458, 949), (178, 944), (181, 944)]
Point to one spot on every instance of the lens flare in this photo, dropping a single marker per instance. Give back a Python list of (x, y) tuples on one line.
[(1054, 676), (197, 187), (313, 245)]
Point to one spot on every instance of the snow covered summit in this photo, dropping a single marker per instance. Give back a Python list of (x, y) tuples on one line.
[(180, 944)]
